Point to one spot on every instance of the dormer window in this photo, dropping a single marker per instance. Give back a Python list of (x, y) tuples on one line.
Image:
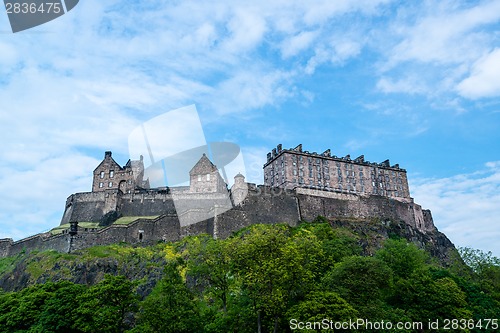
[(111, 174)]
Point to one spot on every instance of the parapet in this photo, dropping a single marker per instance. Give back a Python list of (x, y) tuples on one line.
[(327, 154)]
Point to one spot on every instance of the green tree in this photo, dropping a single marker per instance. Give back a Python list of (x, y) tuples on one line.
[(402, 257), (321, 305), (60, 311), (424, 298), (337, 243), (365, 282), (478, 260), (170, 307), (209, 265), (275, 268), (21, 311), (104, 306)]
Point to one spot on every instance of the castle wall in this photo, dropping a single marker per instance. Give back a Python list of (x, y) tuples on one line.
[(40, 242), (89, 206), (145, 231), (336, 205), (146, 204), (263, 204)]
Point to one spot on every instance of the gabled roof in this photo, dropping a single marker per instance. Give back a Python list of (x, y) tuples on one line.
[(110, 160), (203, 166)]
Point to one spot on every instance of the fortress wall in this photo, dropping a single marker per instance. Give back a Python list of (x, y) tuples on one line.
[(40, 242), (138, 205), (5, 245), (85, 212), (166, 228), (363, 208), (203, 227), (89, 207), (260, 206)]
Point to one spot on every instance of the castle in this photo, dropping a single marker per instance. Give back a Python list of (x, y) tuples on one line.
[(298, 186)]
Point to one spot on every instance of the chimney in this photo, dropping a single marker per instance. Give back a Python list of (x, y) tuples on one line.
[(107, 154)]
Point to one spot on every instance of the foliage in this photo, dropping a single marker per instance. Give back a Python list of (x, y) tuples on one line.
[(170, 307), (478, 260), (258, 280), (103, 307)]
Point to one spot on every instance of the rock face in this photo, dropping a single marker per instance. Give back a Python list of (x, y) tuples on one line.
[(88, 266)]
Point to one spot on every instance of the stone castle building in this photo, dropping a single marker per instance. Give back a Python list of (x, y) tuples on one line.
[(109, 175), (292, 168), (298, 186)]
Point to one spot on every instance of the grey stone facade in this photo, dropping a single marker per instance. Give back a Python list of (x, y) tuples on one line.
[(219, 211), (109, 175)]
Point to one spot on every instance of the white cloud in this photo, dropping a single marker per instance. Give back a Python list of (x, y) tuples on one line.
[(407, 85), (445, 33), (484, 80), (437, 44), (297, 43), (465, 207), (36, 197)]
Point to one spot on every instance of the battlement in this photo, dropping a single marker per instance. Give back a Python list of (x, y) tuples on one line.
[(276, 152)]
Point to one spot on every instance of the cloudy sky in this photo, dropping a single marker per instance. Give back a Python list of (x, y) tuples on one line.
[(415, 82)]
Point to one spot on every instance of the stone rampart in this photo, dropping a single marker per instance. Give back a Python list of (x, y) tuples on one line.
[(262, 204)]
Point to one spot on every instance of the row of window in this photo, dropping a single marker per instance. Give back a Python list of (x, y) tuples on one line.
[(200, 177), (111, 174)]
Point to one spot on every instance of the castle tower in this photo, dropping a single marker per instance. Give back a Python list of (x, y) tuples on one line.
[(239, 190), (205, 178)]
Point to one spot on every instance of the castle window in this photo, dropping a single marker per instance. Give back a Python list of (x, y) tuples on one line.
[(110, 184), (199, 178), (111, 173), (208, 176), (101, 185), (101, 175)]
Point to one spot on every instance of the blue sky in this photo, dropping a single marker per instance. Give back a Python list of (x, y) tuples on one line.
[(415, 82)]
